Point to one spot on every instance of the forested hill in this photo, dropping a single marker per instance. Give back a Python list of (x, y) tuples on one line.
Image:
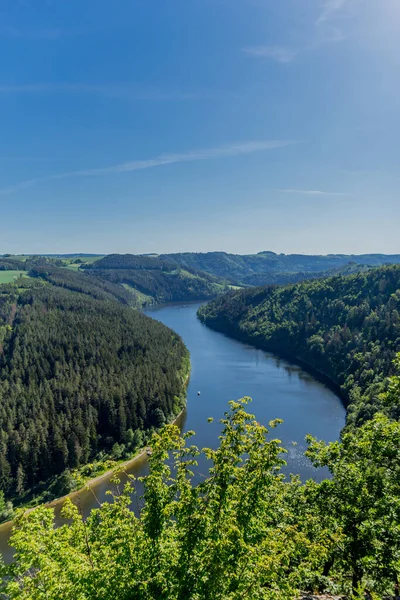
[(83, 283), (347, 328), (268, 267), (156, 280), (79, 374)]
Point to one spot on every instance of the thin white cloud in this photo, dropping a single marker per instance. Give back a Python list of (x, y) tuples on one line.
[(34, 158), (329, 14), (280, 54), (336, 15), (112, 90), (237, 149), (313, 192), (330, 9), (53, 33)]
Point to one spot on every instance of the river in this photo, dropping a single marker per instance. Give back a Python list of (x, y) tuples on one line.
[(224, 369)]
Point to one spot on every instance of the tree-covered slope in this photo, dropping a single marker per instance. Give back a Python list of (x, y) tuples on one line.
[(158, 280), (348, 328), (79, 372), (285, 278), (83, 282), (269, 268)]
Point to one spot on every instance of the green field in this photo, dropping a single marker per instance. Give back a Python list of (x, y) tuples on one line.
[(142, 299), (85, 260), (10, 276)]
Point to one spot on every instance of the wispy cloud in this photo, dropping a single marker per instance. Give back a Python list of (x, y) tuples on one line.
[(236, 149), (280, 54), (53, 33), (313, 192), (330, 9), (323, 29), (33, 158), (336, 15), (122, 90)]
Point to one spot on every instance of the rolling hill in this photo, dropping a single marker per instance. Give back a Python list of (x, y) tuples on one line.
[(267, 267)]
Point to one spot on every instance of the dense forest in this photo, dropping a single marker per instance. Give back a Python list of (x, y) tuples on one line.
[(79, 373), (84, 283), (271, 268), (158, 280), (152, 278), (192, 276), (347, 328), (282, 278)]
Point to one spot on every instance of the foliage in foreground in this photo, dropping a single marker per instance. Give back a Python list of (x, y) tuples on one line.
[(241, 532)]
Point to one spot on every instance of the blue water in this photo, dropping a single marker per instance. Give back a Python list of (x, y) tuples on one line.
[(224, 369)]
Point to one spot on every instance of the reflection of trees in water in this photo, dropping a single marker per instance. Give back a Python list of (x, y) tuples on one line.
[(290, 369), (293, 370)]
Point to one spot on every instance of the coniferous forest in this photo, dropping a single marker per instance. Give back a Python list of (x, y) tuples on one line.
[(199, 221), (79, 372), (82, 373), (156, 280)]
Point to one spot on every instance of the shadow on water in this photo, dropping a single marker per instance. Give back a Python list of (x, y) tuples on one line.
[(224, 369)]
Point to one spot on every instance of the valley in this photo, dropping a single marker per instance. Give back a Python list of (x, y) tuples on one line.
[(94, 364)]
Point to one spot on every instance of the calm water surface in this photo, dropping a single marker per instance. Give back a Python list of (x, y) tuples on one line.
[(222, 370)]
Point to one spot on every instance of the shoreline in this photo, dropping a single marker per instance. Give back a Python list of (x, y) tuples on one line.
[(119, 468), (87, 487)]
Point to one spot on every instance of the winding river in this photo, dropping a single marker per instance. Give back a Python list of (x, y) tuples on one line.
[(224, 369)]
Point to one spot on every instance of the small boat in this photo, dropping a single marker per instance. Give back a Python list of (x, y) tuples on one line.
[(198, 393), (148, 452)]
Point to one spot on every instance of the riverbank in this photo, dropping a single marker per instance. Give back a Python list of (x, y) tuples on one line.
[(223, 369), (119, 467), (85, 483)]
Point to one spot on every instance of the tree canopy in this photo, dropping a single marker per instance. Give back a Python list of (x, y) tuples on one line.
[(159, 280), (78, 371), (240, 532), (347, 328)]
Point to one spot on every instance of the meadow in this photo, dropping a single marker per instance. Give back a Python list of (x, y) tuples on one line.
[(10, 276)]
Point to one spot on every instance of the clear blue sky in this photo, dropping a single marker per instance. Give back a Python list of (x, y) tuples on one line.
[(237, 125)]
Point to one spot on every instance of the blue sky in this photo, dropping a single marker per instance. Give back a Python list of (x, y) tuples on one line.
[(198, 125)]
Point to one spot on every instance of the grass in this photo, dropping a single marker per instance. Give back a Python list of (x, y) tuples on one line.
[(20, 257), (86, 260), (142, 299), (10, 276)]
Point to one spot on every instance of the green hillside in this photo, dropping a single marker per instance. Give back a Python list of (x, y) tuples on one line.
[(347, 328), (267, 267), (82, 375), (156, 280)]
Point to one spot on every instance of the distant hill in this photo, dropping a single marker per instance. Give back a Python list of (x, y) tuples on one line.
[(156, 280), (152, 278), (275, 268)]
